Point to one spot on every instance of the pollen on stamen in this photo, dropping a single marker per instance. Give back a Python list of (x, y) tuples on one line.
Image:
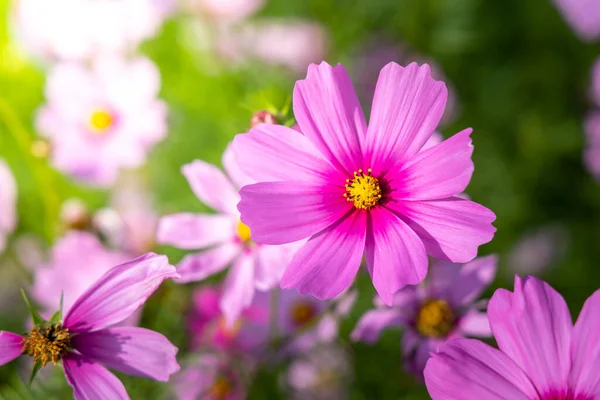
[(47, 343), (363, 190)]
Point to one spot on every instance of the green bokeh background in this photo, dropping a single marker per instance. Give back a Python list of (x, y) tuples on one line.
[(521, 78)]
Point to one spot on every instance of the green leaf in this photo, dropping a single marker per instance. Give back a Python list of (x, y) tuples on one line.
[(37, 319), (34, 371), (57, 316)]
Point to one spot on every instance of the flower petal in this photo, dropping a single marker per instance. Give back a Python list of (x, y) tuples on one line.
[(451, 229), (199, 266), (471, 280), (475, 323), (442, 171), (585, 350), (270, 264), (238, 289), (118, 293), (374, 322), (407, 107), (395, 254), (284, 212), (271, 153), (195, 231), (11, 346), (211, 186), (330, 116), (91, 381), (329, 261), (467, 369), (134, 351), (533, 327), (232, 166)]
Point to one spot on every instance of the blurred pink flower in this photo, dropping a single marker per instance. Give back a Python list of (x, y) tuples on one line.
[(77, 261), (323, 373), (255, 266), (85, 29), (210, 377), (541, 355), (86, 341), (583, 16), (8, 203), (595, 82), (537, 250), (434, 312), (355, 190), (208, 328), (104, 118), (225, 10)]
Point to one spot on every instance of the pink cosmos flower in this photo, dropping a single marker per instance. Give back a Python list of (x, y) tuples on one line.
[(102, 119), (355, 190), (209, 329), (8, 203), (85, 29), (210, 377), (542, 355), (583, 16), (65, 273), (255, 266), (86, 342), (434, 312)]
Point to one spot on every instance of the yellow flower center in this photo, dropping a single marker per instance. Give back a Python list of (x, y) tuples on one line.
[(243, 232), (363, 190), (100, 121), (303, 313), (435, 319), (47, 343), (220, 389)]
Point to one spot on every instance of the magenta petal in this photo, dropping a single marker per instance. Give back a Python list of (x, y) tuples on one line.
[(329, 261), (118, 293), (475, 323), (585, 350), (451, 229), (211, 186), (134, 351), (533, 327), (91, 381), (284, 212), (195, 231), (11, 346), (329, 114), (198, 266), (395, 254), (471, 280), (233, 168), (238, 289), (374, 322), (271, 153), (407, 107), (467, 369), (442, 171)]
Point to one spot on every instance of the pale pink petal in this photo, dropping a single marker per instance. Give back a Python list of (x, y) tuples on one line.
[(583, 16), (134, 351), (451, 229), (270, 264), (233, 168), (11, 346), (270, 153), (439, 172), (585, 349), (475, 323), (198, 266), (211, 186), (238, 289), (407, 107), (118, 293), (395, 254), (533, 327), (471, 280), (329, 261), (374, 322), (284, 212), (91, 381), (329, 114), (195, 231), (435, 139), (467, 369)]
